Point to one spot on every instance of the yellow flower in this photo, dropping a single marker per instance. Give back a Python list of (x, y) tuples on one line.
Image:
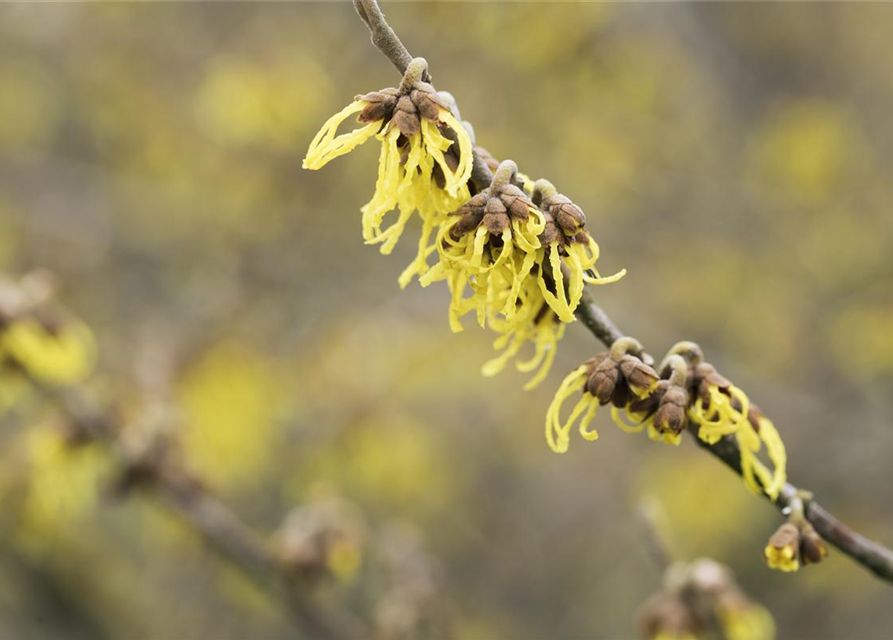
[(558, 430), (567, 249), (757, 477), (620, 378), (535, 323), (662, 411), (488, 246), (782, 551), (424, 165), (720, 409)]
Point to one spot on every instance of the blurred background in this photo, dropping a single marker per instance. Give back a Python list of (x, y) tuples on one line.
[(735, 158)]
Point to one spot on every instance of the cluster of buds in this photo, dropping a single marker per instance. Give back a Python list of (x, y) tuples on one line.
[(570, 252), (521, 252), (701, 600), (618, 377), (489, 245), (684, 393), (322, 538), (495, 208), (795, 543), (515, 253), (425, 162), (403, 107)]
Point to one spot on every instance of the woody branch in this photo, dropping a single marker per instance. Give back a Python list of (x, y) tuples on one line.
[(213, 520), (872, 555)]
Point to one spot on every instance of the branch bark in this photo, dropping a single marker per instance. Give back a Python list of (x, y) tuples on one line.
[(212, 519), (873, 556)]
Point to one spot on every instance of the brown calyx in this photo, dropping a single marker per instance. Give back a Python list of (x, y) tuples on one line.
[(403, 109), (671, 410), (496, 209), (568, 216), (706, 376)]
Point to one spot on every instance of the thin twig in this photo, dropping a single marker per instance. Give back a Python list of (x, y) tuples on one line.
[(220, 527), (872, 555)]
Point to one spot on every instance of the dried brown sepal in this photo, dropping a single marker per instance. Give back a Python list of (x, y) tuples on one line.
[(622, 395), (707, 376), (570, 217), (496, 223), (642, 379), (381, 105), (427, 101), (516, 201), (551, 233), (406, 117), (472, 213), (603, 380), (594, 361), (495, 208), (812, 548), (786, 536), (647, 406), (670, 414), (491, 162)]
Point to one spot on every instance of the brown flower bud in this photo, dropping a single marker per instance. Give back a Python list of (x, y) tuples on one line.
[(622, 395), (516, 201), (782, 551), (551, 233), (812, 548), (706, 376), (603, 380), (381, 105), (491, 162), (647, 406), (670, 414), (569, 217), (406, 117), (495, 205), (495, 217), (472, 213), (496, 223), (426, 101), (642, 379)]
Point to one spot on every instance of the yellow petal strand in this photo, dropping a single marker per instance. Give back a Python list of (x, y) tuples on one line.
[(325, 146), (777, 454), (620, 419), (463, 171), (556, 432), (588, 434), (558, 300)]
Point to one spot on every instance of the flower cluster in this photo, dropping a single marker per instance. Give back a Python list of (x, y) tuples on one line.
[(514, 253), (701, 600), (425, 160), (795, 542), (683, 393)]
